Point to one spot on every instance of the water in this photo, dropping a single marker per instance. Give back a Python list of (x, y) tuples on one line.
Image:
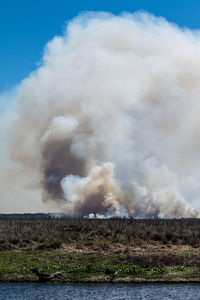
[(97, 292)]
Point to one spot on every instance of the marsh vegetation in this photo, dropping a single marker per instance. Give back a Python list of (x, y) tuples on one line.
[(83, 249)]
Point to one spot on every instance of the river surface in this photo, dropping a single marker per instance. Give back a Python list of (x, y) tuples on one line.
[(99, 292)]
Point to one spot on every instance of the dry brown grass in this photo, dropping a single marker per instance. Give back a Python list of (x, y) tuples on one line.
[(143, 242), (47, 234)]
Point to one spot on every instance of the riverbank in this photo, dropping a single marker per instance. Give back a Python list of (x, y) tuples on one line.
[(16, 266), (138, 250)]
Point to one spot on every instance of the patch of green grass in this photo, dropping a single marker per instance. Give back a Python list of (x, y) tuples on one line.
[(156, 273), (179, 269), (187, 253), (192, 272), (75, 266), (78, 267)]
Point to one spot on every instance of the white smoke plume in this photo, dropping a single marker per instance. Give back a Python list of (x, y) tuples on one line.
[(109, 124)]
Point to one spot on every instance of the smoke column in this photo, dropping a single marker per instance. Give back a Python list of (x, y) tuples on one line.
[(109, 124)]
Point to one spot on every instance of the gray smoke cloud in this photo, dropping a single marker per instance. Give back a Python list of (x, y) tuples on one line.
[(109, 124)]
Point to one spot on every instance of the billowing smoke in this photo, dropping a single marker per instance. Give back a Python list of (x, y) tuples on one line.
[(109, 124)]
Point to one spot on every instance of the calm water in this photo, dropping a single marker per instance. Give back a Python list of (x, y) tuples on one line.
[(97, 292)]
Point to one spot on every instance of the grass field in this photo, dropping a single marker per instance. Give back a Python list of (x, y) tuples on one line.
[(17, 266), (140, 250)]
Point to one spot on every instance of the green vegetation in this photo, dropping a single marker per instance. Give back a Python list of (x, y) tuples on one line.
[(17, 266), (188, 253), (137, 249)]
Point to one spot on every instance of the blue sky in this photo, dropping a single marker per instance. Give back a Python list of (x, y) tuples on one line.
[(27, 25)]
